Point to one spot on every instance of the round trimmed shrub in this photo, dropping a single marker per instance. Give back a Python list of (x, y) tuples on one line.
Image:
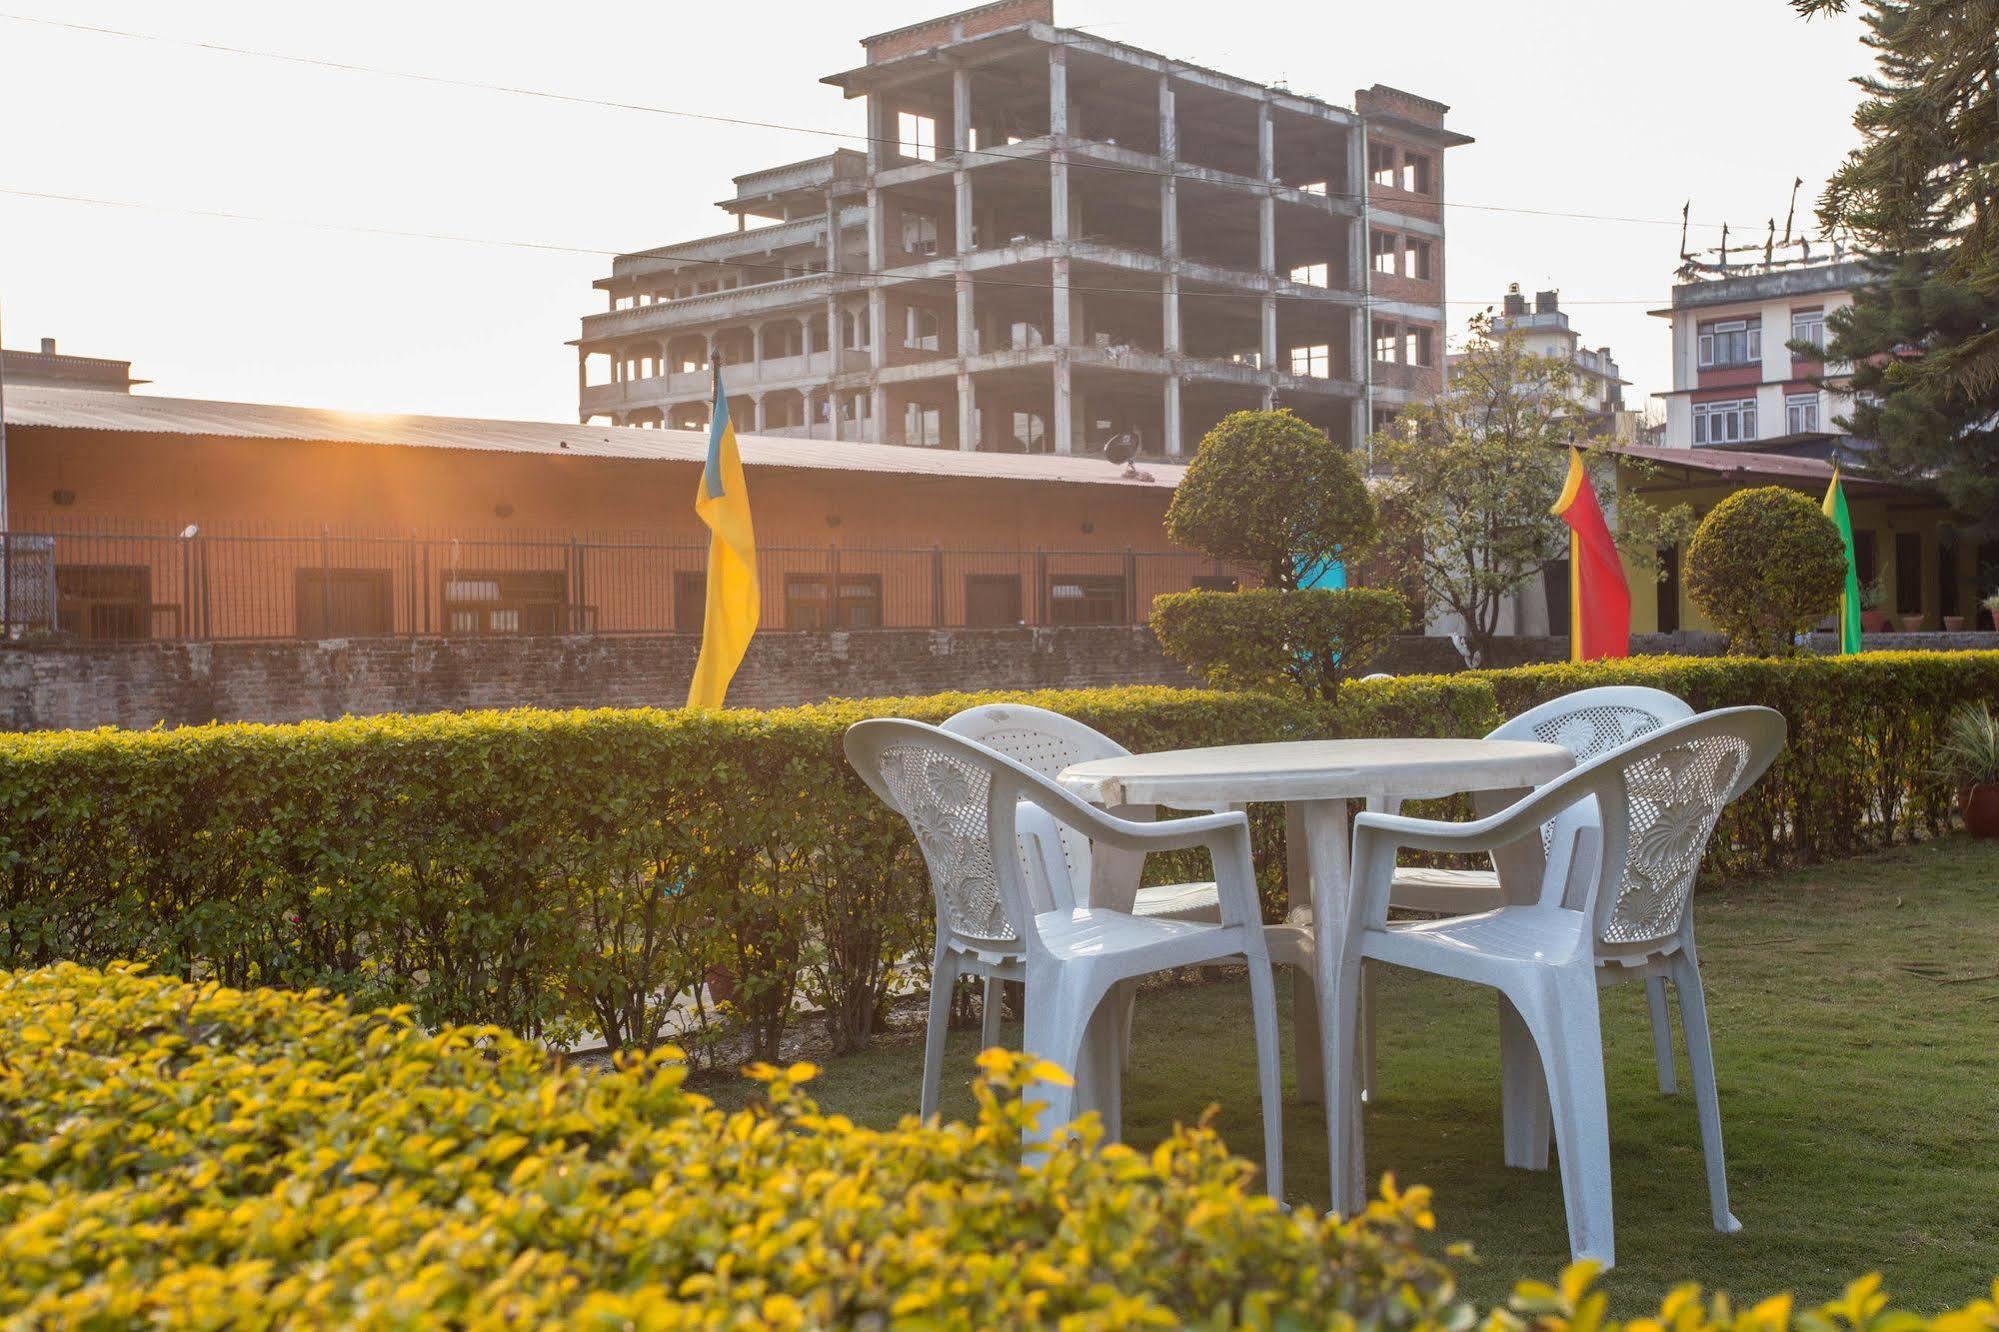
[(1765, 565), (1270, 488), (183, 1156), (1286, 640)]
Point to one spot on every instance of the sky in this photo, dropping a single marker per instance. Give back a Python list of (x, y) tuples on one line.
[(1604, 107)]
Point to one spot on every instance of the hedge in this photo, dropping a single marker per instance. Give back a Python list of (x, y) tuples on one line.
[(556, 872), (183, 1156)]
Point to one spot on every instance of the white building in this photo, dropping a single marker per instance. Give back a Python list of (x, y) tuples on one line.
[(1597, 387), (1735, 378)]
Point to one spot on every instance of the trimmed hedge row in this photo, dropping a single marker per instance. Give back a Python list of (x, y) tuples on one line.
[(182, 1156), (555, 872)]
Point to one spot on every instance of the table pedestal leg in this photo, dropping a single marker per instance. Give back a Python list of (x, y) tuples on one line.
[(1305, 1038), (1326, 849)]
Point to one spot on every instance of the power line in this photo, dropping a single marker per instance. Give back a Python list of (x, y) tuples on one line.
[(577, 99), (888, 278)]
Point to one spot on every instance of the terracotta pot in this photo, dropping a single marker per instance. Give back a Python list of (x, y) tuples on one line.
[(1874, 622), (1912, 624), (1980, 806), (721, 984), (1953, 624)]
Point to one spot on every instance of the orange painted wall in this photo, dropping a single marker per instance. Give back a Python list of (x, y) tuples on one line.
[(130, 482)]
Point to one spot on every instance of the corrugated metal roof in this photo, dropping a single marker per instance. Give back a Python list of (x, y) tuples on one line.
[(1742, 464), (78, 409)]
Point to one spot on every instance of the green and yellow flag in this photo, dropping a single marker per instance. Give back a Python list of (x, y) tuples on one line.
[(1849, 599), (723, 503)]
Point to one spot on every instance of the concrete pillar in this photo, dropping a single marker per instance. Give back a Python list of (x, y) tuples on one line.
[(1058, 198), (1169, 122), (1058, 91), (1266, 234), (1061, 312), (1169, 332), (1064, 406), (757, 349), (757, 412), (881, 132), (1172, 443), (877, 414), (1269, 344), (582, 382), (1266, 144), (968, 416), (961, 110), (968, 330)]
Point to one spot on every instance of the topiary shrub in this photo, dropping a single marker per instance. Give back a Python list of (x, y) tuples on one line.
[(1765, 565), (1272, 489), (190, 1156), (1307, 640)]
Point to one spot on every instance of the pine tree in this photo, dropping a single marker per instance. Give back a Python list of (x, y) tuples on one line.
[(1920, 198)]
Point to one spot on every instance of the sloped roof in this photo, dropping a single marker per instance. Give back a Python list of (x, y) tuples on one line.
[(77, 409)]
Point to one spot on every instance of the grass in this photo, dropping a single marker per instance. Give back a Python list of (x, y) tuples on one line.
[(1855, 1010)]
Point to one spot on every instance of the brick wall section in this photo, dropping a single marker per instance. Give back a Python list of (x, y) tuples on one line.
[(957, 27), (144, 684)]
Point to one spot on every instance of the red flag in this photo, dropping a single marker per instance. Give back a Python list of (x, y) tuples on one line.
[(1599, 598)]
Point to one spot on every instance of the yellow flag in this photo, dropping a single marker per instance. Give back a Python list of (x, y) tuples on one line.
[(723, 502)]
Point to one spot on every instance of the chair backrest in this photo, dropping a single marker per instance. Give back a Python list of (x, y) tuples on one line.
[(1590, 722), (961, 799), (1657, 800), (1047, 742)]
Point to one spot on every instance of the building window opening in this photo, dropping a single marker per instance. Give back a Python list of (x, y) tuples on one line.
[(1381, 164), (857, 605), (923, 425), (1731, 342), (1312, 275), (1416, 173), (1030, 432), (1728, 422), (1808, 326), (919, 233), (1384, 343), (1315, 361), (916, 136), (1416, 260), (1085, 599), (1801, 413), (1382, 246), (1417, 346), (925, 331)]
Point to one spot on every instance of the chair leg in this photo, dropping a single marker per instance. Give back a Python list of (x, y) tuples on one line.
[(1526, 1120), (1270, 1087), (1127, 1002), (1310, 1051), (1056, 1027), (1100, 1067), (1561, 1011), (1662, 1033), (1707, 1100), (989, 1013), (1344, 1135), (1369, 1003), (943, 977)]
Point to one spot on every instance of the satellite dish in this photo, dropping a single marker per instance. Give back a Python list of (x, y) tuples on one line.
[(1123, 448)]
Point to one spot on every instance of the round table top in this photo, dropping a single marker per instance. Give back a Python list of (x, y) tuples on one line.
[(1315, 770)]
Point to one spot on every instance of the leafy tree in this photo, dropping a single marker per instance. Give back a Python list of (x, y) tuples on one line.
[(1920, 197), (1470, 477), (1306, 639), (1270, 488), (1766, 565)]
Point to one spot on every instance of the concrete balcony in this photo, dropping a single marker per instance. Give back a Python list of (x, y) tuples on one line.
[(778, 372), (805, 295)]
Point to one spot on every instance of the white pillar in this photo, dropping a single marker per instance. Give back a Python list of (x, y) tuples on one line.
[(1058, 91), (1169, 124), (1064, 423), (1266, 144), (1172, 443), (968, 416), (1060, 311), (757, 412)]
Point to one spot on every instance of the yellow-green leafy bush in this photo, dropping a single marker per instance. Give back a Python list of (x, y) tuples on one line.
[(189, 1156), (1307, 641), (185, 1156)]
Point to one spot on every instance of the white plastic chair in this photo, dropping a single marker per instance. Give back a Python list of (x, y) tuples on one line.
[(1629, 829), (1587, 723), (1017, 916)]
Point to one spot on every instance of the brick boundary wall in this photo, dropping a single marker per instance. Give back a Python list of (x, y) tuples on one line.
[(67, 685)]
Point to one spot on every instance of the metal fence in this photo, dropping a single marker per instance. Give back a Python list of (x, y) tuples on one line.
[(110, 585)]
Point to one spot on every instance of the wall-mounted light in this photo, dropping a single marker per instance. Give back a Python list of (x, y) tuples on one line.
[(1089, 528), (834, 520), (503, 510), (64, 498)]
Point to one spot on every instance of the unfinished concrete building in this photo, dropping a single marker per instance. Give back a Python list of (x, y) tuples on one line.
[(1052, 240)]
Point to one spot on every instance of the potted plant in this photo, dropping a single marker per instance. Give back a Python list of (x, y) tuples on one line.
[(1968, 757), (1991, 605), (1953, 624), (1874, 600), (1912, 622)]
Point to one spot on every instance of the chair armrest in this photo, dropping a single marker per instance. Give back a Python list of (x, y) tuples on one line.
[(1225, 837)]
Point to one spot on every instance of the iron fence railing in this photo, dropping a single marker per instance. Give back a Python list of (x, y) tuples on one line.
[(111, 585)]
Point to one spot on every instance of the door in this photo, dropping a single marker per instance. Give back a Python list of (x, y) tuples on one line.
[(992, 601)]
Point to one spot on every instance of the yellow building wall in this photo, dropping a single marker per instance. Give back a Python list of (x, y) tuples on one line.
[(1884, 517)]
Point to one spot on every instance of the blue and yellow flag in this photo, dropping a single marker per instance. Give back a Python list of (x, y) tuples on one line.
[(723, 502), (1849, 596)]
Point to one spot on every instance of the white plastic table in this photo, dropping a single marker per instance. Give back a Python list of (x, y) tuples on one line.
[(1314, 780)]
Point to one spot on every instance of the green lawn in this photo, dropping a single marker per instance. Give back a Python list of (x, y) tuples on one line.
[(1855, 1010)]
